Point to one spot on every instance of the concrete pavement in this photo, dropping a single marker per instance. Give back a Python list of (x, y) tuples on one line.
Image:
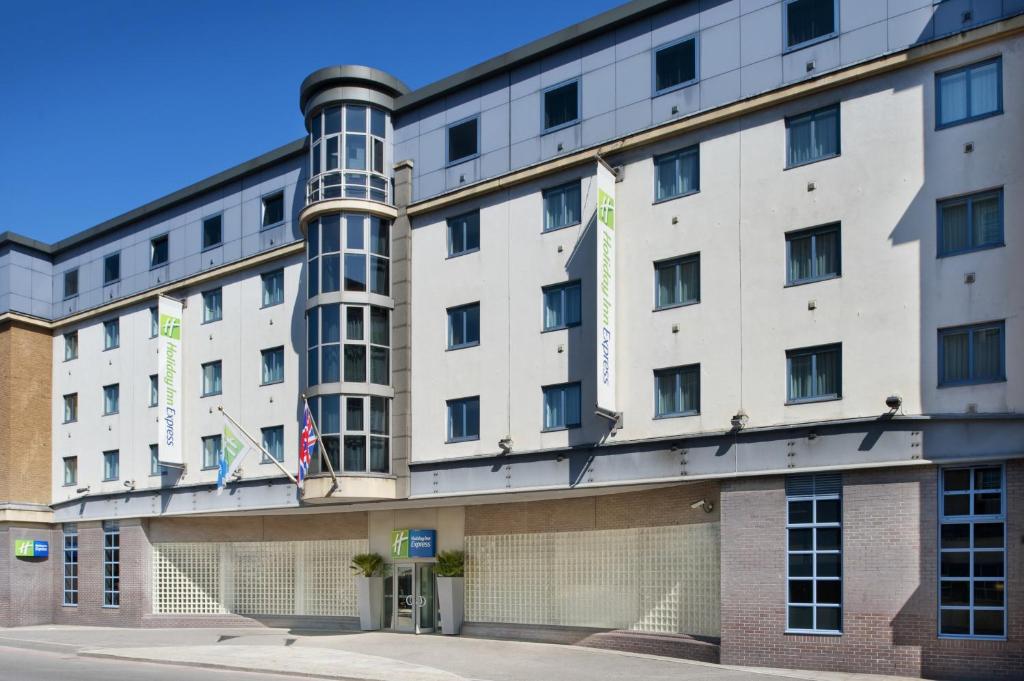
[(377, 656)]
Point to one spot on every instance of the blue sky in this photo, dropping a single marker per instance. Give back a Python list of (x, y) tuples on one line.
[(109, 104)]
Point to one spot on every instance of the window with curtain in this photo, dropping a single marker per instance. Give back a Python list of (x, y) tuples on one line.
[(972, 553), (561, 306), (70, 470), (675, 65), (814, 373), (812, 255), (111, 465), (272, 361), (464, 419), (71, 346), (561, 406), (814, 599), (464, 233), (272, 287), (111, 334), (812, 136), (677, 174), (561, 105), (154, 321), (154, 391), (154, 460), (677, 282), (972, 354), (111, 399), (213, 306), (969, 93), (211, 451), (273, 442), (463, 326), (71, 408), (211, 378), (809, 21), (971, 223), (677, 391), (562, 206)]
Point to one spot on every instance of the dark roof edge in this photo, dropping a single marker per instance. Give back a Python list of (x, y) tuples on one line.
[(588, 28), (231, 174)]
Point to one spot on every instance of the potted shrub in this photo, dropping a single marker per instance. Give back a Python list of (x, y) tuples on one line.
[(369, 569), (451, 590)]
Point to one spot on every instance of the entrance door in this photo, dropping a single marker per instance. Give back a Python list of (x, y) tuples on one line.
[(414, 600)]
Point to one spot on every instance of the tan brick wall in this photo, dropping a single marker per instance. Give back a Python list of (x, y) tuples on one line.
[(649, 508), (25, 408), (890, 560), (260, 528)]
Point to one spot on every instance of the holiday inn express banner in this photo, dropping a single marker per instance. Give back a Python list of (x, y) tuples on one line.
[(606, 336), (169, 382)]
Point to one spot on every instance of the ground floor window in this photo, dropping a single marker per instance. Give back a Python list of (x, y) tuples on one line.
[(111, 565), (815, 560), (972, 553), (70, 565)]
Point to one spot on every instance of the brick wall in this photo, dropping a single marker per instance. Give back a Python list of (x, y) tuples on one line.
[(25, 380), (649, 508), (260, 528), (889, 588), (26, 584)]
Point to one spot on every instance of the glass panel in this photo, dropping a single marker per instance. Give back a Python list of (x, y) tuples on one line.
[(988, 594), (985, 222), (313, 278), (988, 478), (800, 258), (801, 565), (354, 413), (354, 232), (426, 600), (553, 308), (355, 272), (332, 160), (956, 536), (332, 120), (330, 323), (988, 503), (379, 461), (956, 480), (330, 416), (955, 593), (377, 123), (355, 152), (355, 118), (829, 565), (379, 242), (828, 538), (955, 564), (800, 377), (675, 64), (331, 363), (462, 140), (801, 591), (953, 97), (380, 331), (826, 251), (986, 535), (331, 272), (826, 133), (829, 591), (355, 453), (561, 105), (829, 618), (355, 363), (989, 623), (354, 323), (406, 599), (801, 540), (801, 618), (985, 89), (667, 403), (379, 274), (331, 233), (379, 366), (801, 512), (988, 355), (800, 148), (988, 564), (809, 19), (828, 510), (667, 276), (955, 233), (379, 415)]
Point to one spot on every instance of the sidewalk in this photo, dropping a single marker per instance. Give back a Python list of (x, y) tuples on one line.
[(383, 656)]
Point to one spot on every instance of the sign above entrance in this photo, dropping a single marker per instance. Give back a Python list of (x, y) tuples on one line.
[(413, 543), (31, 548)]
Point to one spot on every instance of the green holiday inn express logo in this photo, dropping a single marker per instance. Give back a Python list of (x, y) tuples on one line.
[(606, 209), (170, 326)]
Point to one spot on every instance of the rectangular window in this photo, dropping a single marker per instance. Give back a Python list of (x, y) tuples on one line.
[(111, 334), (111, 565), (273, 442), (675, 65), (70, 346), (972, 354), (154, 391), (272, 361), (463, 326), (211, 378), (111, 268), (464, 419), (70, 284), (211, 451), (273, 288), (159, 251), (812, 255), (815, 554), (969, 93), (814, 373), (111, 465), (111, 399), (70, 565), (212, 231), (561, 306), (561, 406), (561, 105), (677, 282), (464, 234), (154, 460), (273, 209), (677, 391), (972, 553), (70, 470), (154, 321), (812, 136), (213, 306), (970, 223), (463, 140), (809, 21), (355, 364), (71, 408), (677, 174), (562, 206)]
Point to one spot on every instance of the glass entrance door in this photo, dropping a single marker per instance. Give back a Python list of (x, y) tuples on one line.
[(414, 601)]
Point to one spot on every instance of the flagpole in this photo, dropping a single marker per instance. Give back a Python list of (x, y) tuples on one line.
[(270, 456), (320, 443)]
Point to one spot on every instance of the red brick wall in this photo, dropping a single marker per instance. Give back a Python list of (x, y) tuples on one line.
[(889, 589)]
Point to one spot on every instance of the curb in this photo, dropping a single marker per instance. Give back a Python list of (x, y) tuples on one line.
[(226, 667), (42, 646)]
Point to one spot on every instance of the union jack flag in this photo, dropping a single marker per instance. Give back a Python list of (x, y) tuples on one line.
[(307, 444)]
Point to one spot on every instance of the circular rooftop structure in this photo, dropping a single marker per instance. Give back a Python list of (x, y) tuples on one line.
[(349, 83)]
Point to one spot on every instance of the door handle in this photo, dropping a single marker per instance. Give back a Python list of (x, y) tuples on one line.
[(421, 601)]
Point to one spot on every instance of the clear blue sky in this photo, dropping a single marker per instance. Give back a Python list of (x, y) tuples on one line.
[(105, 105)]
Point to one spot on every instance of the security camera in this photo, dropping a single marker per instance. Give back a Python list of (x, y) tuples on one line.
[(82, 490), (703, 503), (893, 402), (739, 420), (505, 445), (130, 484)]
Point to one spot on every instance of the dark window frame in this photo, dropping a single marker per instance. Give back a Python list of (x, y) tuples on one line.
[(204, 246), (970, 330), (265, 199), (465, 226), (461, 309), (462, 403), (576, 81), (798, 118), (834, 33), (448, 160), (163, 240), (678, 372), (813, 351), (692, 37), (969, 200), (813, 233), (998, 60), (107, 259), (563, 287), (680, 260), (73, 274)]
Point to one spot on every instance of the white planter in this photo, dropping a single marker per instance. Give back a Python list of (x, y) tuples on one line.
[(451, 598), (371, 602)]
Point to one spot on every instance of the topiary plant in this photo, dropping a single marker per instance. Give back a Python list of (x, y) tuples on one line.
[(451, 564), (367, 564)]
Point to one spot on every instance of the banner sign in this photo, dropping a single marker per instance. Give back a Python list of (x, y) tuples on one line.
[(169, 382), (413, 543), (235, 446), (606, 337), (31, 548)]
